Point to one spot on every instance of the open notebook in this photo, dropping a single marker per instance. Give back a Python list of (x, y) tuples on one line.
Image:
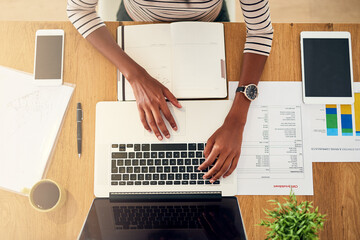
[(187, 57)]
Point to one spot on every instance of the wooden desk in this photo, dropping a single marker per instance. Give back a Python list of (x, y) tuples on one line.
[(336, 185)]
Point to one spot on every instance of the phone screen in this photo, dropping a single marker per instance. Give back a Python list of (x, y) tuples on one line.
[(327, 67), (48, 61)]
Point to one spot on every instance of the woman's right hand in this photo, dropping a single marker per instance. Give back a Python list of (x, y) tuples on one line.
[(150, 97)]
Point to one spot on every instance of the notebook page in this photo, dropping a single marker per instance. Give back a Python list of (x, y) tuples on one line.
[(198, 50)]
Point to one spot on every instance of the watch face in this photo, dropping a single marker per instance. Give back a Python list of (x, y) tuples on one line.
[(251, 91)]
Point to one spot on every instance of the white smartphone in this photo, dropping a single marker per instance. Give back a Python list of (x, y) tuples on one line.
[(49, 53), (326, 62)]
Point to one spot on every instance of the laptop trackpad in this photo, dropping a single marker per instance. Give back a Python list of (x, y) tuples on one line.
[(179, 114)]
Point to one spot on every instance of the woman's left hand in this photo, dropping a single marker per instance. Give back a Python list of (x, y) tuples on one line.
[(223, 147)]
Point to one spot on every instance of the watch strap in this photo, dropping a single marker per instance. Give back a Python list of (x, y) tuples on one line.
[(240, 89)]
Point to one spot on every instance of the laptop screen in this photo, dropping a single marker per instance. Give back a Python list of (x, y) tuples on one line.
[(164, 220)]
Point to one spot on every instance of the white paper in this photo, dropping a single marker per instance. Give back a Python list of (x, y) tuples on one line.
[(30, 120), (320, 145), (272, 160)]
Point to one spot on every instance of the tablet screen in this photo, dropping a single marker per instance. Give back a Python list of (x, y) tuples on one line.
[(327, 67)]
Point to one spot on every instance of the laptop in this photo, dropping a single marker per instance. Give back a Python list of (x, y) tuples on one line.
[(134, 170)]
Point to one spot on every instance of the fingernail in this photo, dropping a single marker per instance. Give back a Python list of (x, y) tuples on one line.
[(212, 181), (175, 128), (160, 137), (149, 130), (167, 136)]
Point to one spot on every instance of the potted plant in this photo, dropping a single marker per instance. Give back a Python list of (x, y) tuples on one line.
[(291, 220)]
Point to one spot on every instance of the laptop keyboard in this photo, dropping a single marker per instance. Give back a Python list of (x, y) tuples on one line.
[(158, 164), (157, 217)]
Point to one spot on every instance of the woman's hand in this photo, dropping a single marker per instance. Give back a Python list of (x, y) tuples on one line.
[(150, 96), (223, 147)]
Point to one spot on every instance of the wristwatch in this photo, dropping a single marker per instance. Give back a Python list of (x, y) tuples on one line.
[(250, 91)]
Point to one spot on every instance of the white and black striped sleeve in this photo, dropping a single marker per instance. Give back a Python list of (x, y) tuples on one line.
[(259, 31), (83, 16)]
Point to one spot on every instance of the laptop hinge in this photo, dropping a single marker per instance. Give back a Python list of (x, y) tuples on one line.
[(165, 196)]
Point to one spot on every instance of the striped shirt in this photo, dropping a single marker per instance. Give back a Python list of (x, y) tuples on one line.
[(256, 13)]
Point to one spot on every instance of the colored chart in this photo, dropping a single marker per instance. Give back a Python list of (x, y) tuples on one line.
[(346, 120), (357, 114), (331, 120)]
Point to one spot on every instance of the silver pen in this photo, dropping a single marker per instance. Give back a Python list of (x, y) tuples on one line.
[(79, 118)]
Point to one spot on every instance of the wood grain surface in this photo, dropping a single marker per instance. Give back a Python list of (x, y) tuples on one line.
[(336, 185)]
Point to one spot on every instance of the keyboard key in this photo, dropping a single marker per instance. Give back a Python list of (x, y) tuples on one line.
[(201, 175), (153, 154), (121, 169), (187, 161), (165, 162), (142, 162), (196, 169), (131, 155), (195, 161), (191, 154), (157, 161), (185, 176), (129, 183), (122, 147), (202, 160), (171, 176), (176, 182), (137, 147), (200, 182), (145, 147), (172, 161), (146, 155), (168, 147), (127, 162), (150, 162), (217, 182), (176, 154), (174, 169), (159, 169), (120, 162), (180, 162), (200, 146), (140, 177), (132, 176), (115, 176), (126, 177), (161, 154), (148, 176), (114, 183), (144, 169), (178, 176), (169, 182), (129, 145), (168, 154), (161, 182), (139, 155), (183, 154), (122, 183), (199, 154), (114, 170), (192, 182), (145, 182), (137, 183), (153, 183), (114, 145), (207, 182), (189, 168), (181, 169), (192, 146), (136, 169), (185, 182), (155, 176), (113, 163), (151, 169), (167, 169), (135, 162), (129, 170), (193, 176), (163, 176), (119, 155)]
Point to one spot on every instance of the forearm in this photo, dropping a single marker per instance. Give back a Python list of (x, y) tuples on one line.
[(102, 40), (251, 70)]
